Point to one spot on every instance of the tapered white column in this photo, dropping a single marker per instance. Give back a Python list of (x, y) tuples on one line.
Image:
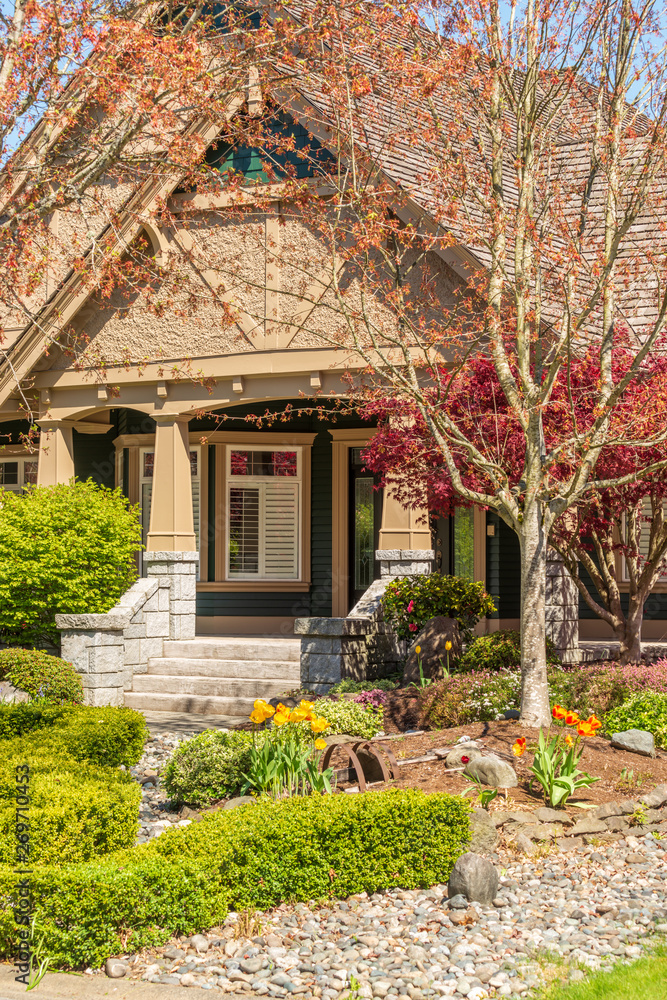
[(56, 453), (171, 525)]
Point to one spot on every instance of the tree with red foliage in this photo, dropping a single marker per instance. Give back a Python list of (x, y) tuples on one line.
[(605, 531), (498, 211)]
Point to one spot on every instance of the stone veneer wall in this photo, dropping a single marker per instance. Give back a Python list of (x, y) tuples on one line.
[(360, 646), (562, 609), (108, 649)]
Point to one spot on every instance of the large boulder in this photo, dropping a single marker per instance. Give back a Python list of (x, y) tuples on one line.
[(636, 741), (475, 878), (468, 750), (432, 639), (10, 694), (492, 771)]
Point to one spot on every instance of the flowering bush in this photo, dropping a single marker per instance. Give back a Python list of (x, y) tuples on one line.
[(601, 687), (478, 696), (41, 675), (375, 698), (350, 718), (410, 602)]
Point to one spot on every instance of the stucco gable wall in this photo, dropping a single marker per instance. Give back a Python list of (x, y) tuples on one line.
[(221, 306)]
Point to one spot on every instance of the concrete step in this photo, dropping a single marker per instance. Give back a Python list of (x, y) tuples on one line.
[(228, 687), (256, 670), (239, 708), (234, 648)]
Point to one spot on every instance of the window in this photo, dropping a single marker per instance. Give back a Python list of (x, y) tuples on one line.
[(146, 465), (463, 543), (263, 504), (15, 473)]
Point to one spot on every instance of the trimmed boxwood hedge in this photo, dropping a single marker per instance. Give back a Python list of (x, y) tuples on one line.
[(77, 811), (106, 736), (254, 856)]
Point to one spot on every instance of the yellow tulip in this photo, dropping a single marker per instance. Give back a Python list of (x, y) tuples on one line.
[(299, 715), (319, 725), (448, 645), (320, 744), (257, 716), (306, 705), (418, 650)]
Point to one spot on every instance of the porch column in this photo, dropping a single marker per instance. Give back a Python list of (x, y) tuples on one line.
[(56, 453), (404, 545), (171, 526)]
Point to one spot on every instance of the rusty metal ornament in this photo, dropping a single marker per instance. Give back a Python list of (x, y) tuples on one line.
[(352, 749)]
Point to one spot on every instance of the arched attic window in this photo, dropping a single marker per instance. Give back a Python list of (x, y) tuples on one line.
[(307, 158)]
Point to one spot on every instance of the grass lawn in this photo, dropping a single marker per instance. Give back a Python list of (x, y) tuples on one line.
[(645, 979)]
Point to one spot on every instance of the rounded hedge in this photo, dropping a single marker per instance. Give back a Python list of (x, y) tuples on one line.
[(76, 811), (427, 596), (65, 549), (208, 767), (107, 736), (499, 651), (41, 675), (256, 856)]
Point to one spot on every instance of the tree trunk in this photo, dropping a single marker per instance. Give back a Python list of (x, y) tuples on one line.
[(629, 634), (535, 709)]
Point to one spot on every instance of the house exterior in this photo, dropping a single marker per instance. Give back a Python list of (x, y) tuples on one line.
[(277, 522)]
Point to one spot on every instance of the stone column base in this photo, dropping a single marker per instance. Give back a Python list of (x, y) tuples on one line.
[(179, 571)]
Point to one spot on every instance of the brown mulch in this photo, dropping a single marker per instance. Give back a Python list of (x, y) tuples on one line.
[(598, 759)]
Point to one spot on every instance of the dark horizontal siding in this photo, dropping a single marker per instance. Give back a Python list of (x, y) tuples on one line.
[(655, 608), (503, 568)]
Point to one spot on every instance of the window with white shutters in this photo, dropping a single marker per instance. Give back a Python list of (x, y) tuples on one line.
[(146, 463), (263, 520), (15, 473)]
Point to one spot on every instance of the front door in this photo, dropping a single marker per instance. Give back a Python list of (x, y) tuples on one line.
[(365, 520)]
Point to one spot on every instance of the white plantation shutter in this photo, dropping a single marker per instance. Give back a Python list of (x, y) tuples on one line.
[(281, 536), (263, 504)]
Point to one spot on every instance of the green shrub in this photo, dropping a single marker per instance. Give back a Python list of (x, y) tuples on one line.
[(434, 594), (646, 710), (41, 675), (209, 766), (293, 850), (106, 736), (350, 718), (478, 696), (65, 549), (77, 811), (499, 651)]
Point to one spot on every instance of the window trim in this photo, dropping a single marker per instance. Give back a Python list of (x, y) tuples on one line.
[(20, 458), (218, 440)]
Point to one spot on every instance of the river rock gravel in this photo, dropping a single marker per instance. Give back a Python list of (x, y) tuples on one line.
[(583, 909)]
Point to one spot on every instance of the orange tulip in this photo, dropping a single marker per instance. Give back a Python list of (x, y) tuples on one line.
[(571, 719), (587, 728), (558, 712), (593, 722), (519, 747), (569, 741)]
